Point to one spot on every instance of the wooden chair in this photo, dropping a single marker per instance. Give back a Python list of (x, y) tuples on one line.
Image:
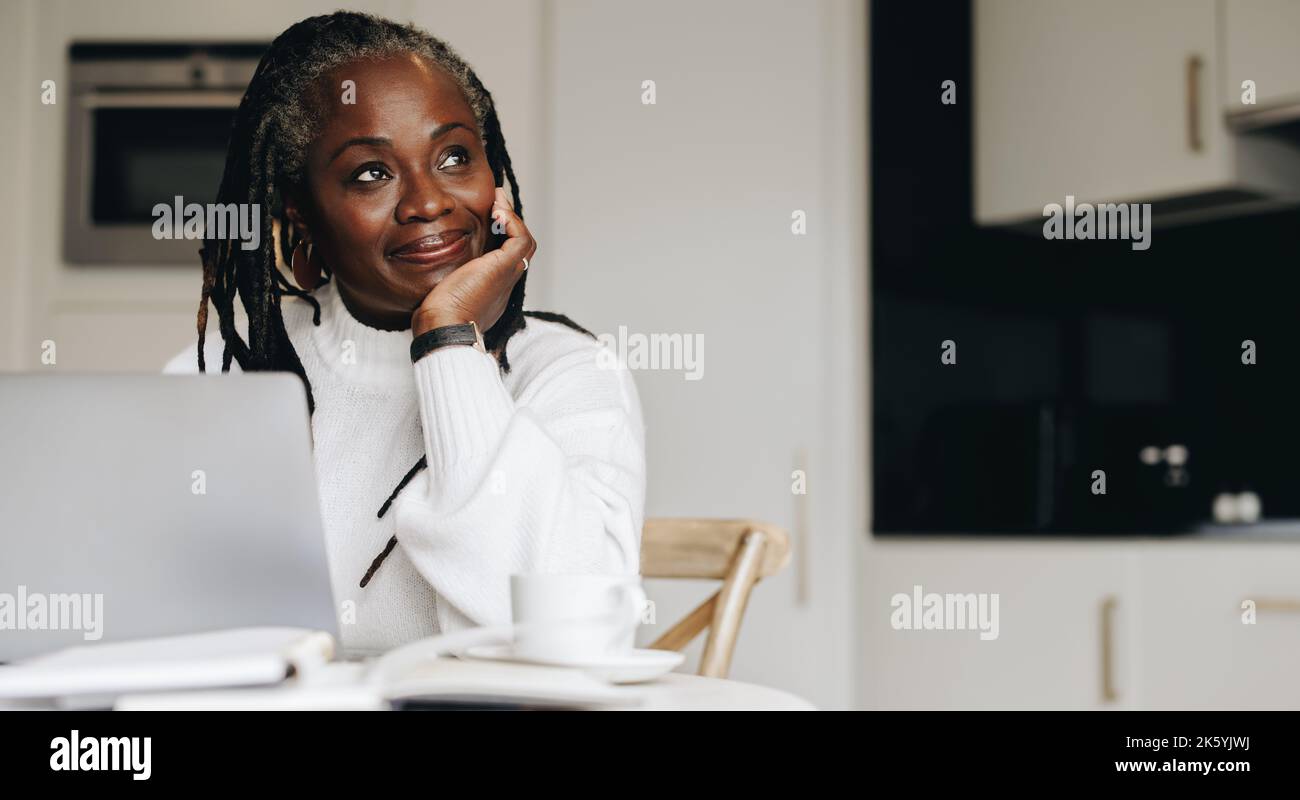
[(739, 552)]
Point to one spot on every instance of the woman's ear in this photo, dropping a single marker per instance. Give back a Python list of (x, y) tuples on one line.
[(305, 259), (294, 212)]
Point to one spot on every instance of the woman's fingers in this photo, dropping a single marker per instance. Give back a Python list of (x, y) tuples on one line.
[(511, 254), (519, 243), (504, 213)]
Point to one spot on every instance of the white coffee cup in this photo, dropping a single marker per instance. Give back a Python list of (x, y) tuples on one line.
[(575, 618)]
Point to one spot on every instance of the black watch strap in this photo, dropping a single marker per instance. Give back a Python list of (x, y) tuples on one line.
[(465, 333)]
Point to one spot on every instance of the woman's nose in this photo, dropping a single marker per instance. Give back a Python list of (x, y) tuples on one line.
[(423, 199)]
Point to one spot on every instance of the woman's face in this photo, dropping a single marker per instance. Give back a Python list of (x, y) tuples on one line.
[(387, 174)]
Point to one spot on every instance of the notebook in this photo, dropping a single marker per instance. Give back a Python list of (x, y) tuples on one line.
[(230, 658)]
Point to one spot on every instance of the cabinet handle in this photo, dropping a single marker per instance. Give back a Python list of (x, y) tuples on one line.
[(801, 531), (1274, 604), (1108, 692), (1194, 64)]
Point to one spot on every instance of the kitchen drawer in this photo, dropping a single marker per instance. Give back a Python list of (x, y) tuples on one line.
[(1063, 630), (1195, 652)]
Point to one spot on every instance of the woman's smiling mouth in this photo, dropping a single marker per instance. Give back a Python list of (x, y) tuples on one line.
[(433, 250)]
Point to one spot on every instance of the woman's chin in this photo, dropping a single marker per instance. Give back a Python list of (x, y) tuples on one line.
[(425, 278), (440, 274), (415, 288)]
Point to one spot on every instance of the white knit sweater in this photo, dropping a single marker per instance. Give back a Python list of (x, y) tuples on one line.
[(538, 470)]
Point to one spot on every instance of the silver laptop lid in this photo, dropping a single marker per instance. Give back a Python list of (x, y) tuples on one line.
[(151, 505)]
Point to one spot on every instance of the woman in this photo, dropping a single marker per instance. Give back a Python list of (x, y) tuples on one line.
[(458, 439)]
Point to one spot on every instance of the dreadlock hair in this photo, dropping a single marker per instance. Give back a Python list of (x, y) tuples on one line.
[(277, 120)]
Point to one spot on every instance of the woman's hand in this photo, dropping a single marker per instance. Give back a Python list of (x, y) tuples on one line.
[(479, 290)]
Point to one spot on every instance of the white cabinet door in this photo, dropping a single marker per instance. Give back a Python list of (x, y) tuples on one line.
[(675, 217), (1261, 44), (1197, 652), (1093, 100), (1064, 630)]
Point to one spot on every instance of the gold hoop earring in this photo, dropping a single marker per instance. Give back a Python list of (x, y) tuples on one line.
[(304, 272)]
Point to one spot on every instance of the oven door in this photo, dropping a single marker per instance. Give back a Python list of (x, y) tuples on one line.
[(129, 150)]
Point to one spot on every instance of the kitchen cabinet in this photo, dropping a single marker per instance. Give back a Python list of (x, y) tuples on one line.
[(1064, 631), (1260, 45), (1112, 101), (1197, 651), (1105, 624)]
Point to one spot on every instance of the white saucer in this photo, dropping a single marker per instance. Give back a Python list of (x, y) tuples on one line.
[(634, 666)]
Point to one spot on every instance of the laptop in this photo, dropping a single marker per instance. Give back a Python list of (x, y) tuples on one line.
[(136, 506)]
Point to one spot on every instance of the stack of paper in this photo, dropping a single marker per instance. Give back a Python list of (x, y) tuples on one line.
[(85, 676), (291, 669)]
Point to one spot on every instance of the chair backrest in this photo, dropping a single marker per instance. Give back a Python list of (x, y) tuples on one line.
[(738, 552)]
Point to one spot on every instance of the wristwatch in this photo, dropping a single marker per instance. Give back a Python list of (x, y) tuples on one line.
[(465, 333)]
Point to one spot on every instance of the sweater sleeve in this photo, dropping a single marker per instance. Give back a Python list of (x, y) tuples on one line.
[(554, 482)]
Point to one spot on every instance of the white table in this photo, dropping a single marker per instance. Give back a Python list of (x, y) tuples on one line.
[(680, 692), (336, 686)]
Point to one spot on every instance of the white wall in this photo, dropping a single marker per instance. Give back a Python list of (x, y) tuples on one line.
[(671, 218)]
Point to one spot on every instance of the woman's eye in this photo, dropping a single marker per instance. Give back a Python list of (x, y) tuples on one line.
[(371, 174), (459, 153)]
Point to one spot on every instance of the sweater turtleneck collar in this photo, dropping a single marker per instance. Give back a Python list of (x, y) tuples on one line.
[(355, 351)]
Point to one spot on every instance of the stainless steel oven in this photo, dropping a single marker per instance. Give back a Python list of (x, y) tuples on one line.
[(147, 122)]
